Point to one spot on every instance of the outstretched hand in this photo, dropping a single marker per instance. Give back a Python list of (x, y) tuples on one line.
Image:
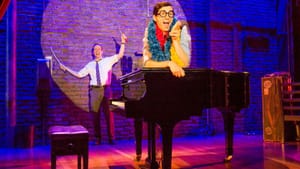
[(62, 67), (123, 38)]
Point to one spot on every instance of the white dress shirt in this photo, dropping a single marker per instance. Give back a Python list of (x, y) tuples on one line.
[(105, 66)]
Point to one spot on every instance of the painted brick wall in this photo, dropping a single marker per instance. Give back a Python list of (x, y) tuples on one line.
[(197, 13), (28, 50), (260, 25), (3, 79), (233, 25), (222, 32)]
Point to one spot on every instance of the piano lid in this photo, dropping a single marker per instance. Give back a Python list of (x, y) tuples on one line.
[(164, 70), (161, 70)]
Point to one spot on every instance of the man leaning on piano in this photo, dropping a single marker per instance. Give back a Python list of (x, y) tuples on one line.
[(167, 45), (167, 41)]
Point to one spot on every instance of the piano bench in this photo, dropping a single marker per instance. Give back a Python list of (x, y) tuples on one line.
[(69, 140)]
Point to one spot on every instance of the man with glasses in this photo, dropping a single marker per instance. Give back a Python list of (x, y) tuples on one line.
[(166, 41)]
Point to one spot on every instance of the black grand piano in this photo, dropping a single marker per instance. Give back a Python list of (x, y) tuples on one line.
[(159, 98)]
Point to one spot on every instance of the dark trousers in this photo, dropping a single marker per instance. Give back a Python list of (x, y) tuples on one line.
[(99, 102)]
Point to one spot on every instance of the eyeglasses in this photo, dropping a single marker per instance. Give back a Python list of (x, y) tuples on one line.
[(164, 13)]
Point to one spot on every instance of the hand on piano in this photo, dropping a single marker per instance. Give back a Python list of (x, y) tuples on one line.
[(175, 69)]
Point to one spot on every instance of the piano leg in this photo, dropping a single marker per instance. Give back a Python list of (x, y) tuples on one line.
[(167, 135), (152, 146), (138, 131), (228, 117)]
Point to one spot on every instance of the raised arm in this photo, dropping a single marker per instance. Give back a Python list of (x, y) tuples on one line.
[(72, 72), (122, 48), (181, 42)]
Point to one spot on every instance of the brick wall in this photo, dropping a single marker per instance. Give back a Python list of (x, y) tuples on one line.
[(3, 79), (242, 37), (225, 35)]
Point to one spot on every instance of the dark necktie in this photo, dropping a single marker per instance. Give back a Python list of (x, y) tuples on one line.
[(98, 74)]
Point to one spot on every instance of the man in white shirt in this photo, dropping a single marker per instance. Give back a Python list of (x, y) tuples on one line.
[(100, 71)]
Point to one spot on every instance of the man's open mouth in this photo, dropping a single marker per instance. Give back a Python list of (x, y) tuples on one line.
[(166, 23)]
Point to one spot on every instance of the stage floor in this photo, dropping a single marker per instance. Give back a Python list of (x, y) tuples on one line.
[(250, 152)]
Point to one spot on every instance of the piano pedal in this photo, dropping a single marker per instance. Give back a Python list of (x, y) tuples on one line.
[(138, 157), (228, 158), (155, 165)]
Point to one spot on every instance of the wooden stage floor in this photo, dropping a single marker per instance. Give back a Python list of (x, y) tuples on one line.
[(250, 152)]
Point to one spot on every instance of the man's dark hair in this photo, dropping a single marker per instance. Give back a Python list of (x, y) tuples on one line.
[(160, 5), (95, 44)]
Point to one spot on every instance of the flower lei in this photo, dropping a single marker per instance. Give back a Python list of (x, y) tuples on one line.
[(154, 47)]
